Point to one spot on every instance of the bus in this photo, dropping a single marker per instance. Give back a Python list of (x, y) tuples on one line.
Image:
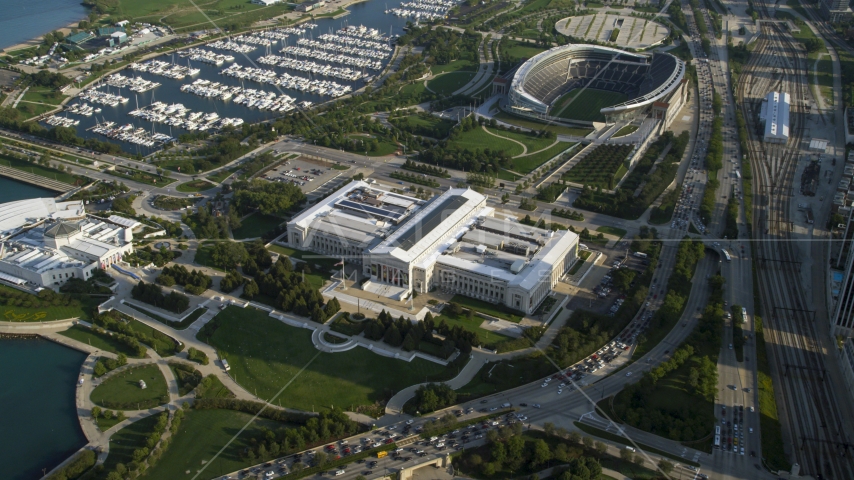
[(717, 441), (717, 430), (726, 255), (743, 315), (640, 255)]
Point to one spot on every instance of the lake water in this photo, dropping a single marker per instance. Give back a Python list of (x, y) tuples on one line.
[(40, 426), (23, 20), (11, 190), (370, 14)]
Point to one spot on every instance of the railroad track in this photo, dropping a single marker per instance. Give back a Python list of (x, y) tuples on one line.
[(808, 402)]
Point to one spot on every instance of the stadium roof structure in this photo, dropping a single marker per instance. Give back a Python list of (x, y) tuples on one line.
[(660, 74), (20, 213)]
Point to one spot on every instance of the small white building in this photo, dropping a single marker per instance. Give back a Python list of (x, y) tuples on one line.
[(774, 114), (266, 3), (122, 23)]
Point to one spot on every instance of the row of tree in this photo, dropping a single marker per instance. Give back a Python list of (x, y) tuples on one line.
[(194, 281), (152, 294)]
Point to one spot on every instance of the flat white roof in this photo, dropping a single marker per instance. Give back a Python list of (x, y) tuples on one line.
[(775, 112), (423, 229), (14, 215)]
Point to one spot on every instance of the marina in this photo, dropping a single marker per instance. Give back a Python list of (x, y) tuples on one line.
[(319, 87), (133, 84), (166, 69), (177, 115), (426, 10), (336, 57), (57, 121), (206, 56)]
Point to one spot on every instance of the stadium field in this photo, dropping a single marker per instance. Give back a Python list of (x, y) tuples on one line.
[(586, 107)]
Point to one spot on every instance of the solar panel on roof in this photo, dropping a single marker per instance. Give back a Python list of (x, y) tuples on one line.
[(369, 209), (423, 226)]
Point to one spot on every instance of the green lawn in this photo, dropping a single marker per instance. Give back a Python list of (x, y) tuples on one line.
[(163, 344), (44, 95), (310, 257), (384, 148), (126, 440), (30, 109), (627, 130), (105, 424), (186, 322), (588, 104), (529, 163), (45, 314), (43, 171), (140, 176), (524, 51), (506, 374), (612, 231), (222, 174), (256, 225), (103, 342), (532, 143), (448, 83), (195, 186), (489, 308), (122, 390), (265, 354), (478, 138), (454, 66), (201, 435), (527, 123), (213, 389), (489, 339)]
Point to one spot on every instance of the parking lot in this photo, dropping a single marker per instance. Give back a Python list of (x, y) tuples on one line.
[(306, 173)]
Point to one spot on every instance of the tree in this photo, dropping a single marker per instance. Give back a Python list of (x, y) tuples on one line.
[(96, 412), (665, 466), (229, 254), (251, 289), (587, 441), (574, 437), (542, 453), (626, 454), (639, 460), (549, 428)]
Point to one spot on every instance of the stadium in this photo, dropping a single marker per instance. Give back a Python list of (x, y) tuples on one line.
[(610, 85)]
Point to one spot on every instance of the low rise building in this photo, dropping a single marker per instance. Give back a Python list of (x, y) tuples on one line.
[(452, 242), (56, 251), (774, 115)]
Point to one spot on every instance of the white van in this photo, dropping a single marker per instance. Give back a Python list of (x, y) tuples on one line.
[(338, 473), (629, 448)]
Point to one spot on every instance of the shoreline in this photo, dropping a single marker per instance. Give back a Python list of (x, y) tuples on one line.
[(36, 41)]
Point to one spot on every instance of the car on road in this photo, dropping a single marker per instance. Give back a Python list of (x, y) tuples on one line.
[(537, 405), (751, 409), (629, 374)]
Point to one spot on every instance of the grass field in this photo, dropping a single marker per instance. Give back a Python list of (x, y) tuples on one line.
[(265, 354), (448, 83), (255, 225), (141, 177), (487, 338), (524, 51), (122, 390), (488, 308), (627, 130), (44, 95), (430, 127), (201, 435), (45, 314), (454, 66), (164, 345), (477, 138), (180, 15), (126, 440), (195, 186), (313, 259), (102, 342), (222, 174), (507, 374), (612, 231), (531, 142), (43, 171), (531, 162), (586, 107)]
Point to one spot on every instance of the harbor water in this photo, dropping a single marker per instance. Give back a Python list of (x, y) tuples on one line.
[(11, 190), (371, 14), (23, 20), (40, 426)]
